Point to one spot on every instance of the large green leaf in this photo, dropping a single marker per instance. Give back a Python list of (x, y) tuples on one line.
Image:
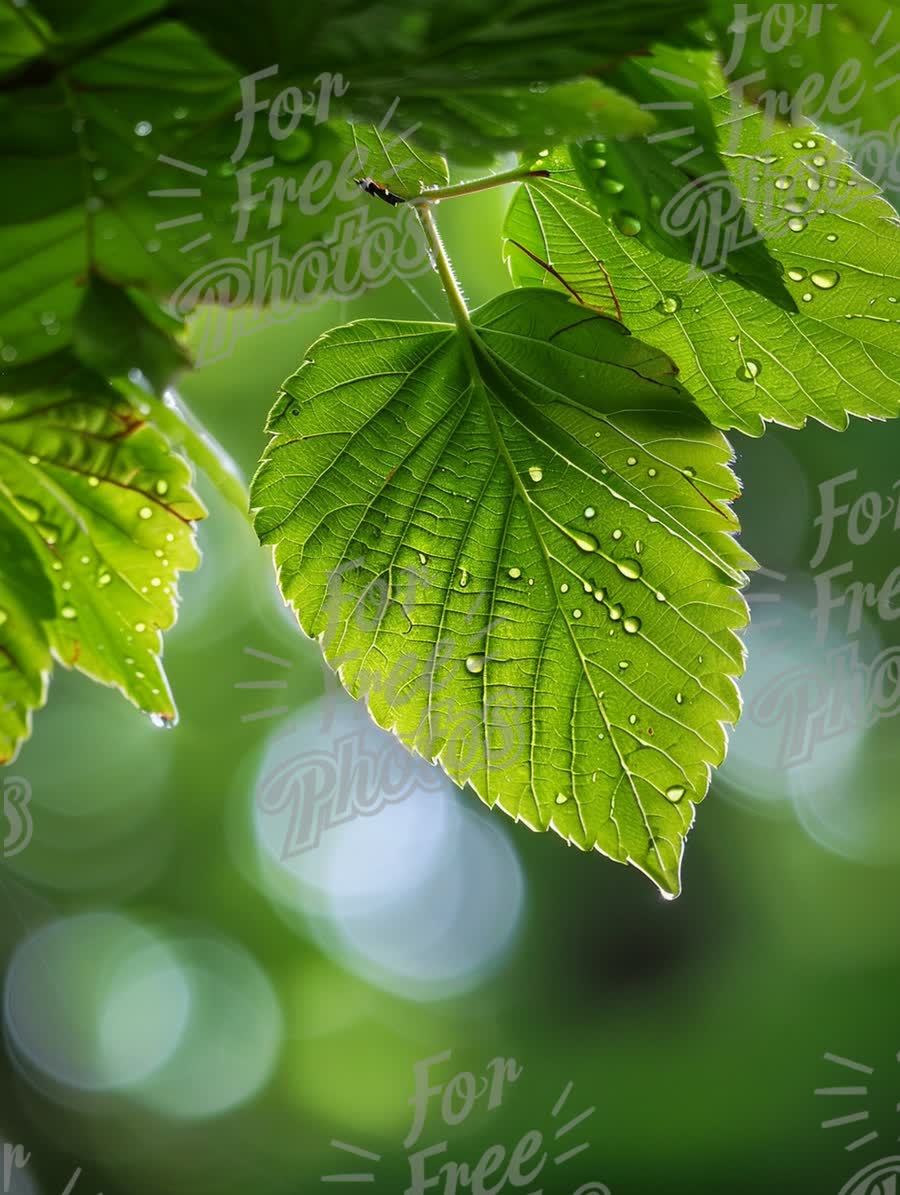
[(515, 543), (96, 515), (742, 357)]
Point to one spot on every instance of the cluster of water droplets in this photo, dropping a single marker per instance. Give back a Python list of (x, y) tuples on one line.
[(625, 221)]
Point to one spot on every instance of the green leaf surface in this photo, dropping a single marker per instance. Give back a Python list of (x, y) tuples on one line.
[(515, 543), (100, 514), (742, 358)]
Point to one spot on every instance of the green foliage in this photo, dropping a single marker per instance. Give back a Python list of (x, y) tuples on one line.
[(514, 542), (512, 534), (833, 239), (96, 514)]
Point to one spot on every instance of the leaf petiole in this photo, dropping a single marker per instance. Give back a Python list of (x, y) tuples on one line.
[(517, 175), (444, 268)]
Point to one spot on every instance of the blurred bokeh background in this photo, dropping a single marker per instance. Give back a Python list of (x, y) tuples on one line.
[(185, 1010)]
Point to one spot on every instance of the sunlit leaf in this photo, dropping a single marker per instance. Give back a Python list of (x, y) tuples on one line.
[(515, 543), (742, 358)]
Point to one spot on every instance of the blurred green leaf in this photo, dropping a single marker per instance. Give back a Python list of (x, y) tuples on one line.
[(100, 514), (515, 543), (473, 123), (116, 331), (121, 170)]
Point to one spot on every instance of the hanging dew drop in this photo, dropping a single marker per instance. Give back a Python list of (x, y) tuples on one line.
[(162, 722), (611, 186)]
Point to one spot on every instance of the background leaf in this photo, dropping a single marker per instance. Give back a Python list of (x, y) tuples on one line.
[(101, 514), (742, 358), (106, 175), (832, 64)]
